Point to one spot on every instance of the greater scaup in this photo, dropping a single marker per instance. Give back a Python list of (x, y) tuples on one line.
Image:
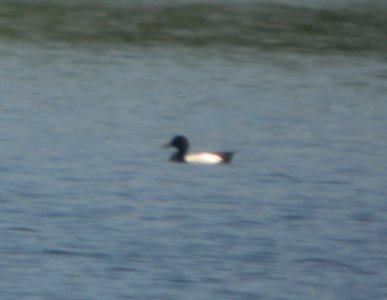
[(181, 155)]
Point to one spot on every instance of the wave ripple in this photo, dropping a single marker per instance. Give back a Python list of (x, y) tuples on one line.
[(249, 25)]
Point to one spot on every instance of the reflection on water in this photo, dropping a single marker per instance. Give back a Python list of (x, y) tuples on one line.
[(200, 24)]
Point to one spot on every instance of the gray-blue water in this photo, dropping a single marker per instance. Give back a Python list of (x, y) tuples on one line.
[(91, 208)]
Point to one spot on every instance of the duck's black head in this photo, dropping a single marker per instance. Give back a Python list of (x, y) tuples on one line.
[(180, 143)]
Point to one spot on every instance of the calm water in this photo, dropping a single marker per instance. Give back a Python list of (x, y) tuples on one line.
[(91, 208)]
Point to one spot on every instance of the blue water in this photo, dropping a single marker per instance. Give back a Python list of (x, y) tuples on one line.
[(91, 208)]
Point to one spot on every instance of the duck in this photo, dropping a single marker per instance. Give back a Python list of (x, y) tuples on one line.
[(182, 155)]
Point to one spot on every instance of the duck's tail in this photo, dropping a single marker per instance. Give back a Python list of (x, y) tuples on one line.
[(227, 156)]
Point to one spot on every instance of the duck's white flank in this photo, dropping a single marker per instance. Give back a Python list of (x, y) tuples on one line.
[(203, 158)]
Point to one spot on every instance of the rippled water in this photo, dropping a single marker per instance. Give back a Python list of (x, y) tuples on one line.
[(352, 28), (91, 208)]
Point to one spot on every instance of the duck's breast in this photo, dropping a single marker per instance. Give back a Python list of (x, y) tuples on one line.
[(203, 158)]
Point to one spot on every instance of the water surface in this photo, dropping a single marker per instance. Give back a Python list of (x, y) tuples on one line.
[(91, 208)]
